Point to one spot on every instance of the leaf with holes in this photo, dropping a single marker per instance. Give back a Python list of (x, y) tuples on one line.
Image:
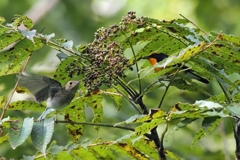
[(42, 134), (26, 105), (114, 95), (3, 101), (94, 100), (154, 113), (208, 125), (75, 112), (19, 131), (60, 74), (146, 127)]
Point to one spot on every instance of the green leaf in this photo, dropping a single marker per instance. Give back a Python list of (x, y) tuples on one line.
[(4, 139), (26, 105), (56, 149), (182, 123), (233, 109), (29, 157), (19, 131), (27, 22), (146, 127), (208, 125), (114, 95), (4, 120), (60, 74), (154, 113), (131, 150), (94, 100), (7, 39), (21, 89), (3, 101), (42, 134), (185, 110), (171, 154), (14, 56), (121, 151), (2, 19), (102, 152), (82, 153), (147, 147), (75, 112), (230, 38), (191, 86)]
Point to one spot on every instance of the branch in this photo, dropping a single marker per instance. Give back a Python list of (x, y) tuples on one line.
[(162, 137), (15, 87), (194, 24)]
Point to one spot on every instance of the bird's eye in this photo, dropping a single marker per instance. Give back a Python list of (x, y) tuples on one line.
[(70, 83)]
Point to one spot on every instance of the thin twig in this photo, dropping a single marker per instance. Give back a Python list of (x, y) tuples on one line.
[(194, 24), (5, 108), (98, 124), (214, 40)]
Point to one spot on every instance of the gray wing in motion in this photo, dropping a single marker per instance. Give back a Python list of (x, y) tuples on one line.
[(41, 86)]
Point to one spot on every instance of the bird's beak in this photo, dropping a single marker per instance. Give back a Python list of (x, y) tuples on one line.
[(78, 82)]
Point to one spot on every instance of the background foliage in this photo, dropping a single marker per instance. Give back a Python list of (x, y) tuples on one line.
[(79, 21)]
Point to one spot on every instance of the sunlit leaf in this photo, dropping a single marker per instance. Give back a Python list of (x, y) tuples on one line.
[(3, 101), (75, 112), (26, 105)]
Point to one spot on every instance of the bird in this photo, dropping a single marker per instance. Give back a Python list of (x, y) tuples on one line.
[(47, 89), (157, 57)]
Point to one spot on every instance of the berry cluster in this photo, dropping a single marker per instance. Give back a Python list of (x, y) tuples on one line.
[(103, 59), (106, 64), (73, 68), (131, 19)]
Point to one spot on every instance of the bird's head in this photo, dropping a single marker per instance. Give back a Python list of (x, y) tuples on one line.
[(71, 85)]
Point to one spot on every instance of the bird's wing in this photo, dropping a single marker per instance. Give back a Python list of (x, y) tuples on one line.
[(41, 86)]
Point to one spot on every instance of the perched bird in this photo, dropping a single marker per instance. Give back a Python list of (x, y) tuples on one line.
[(156, 57), (45, 88)]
